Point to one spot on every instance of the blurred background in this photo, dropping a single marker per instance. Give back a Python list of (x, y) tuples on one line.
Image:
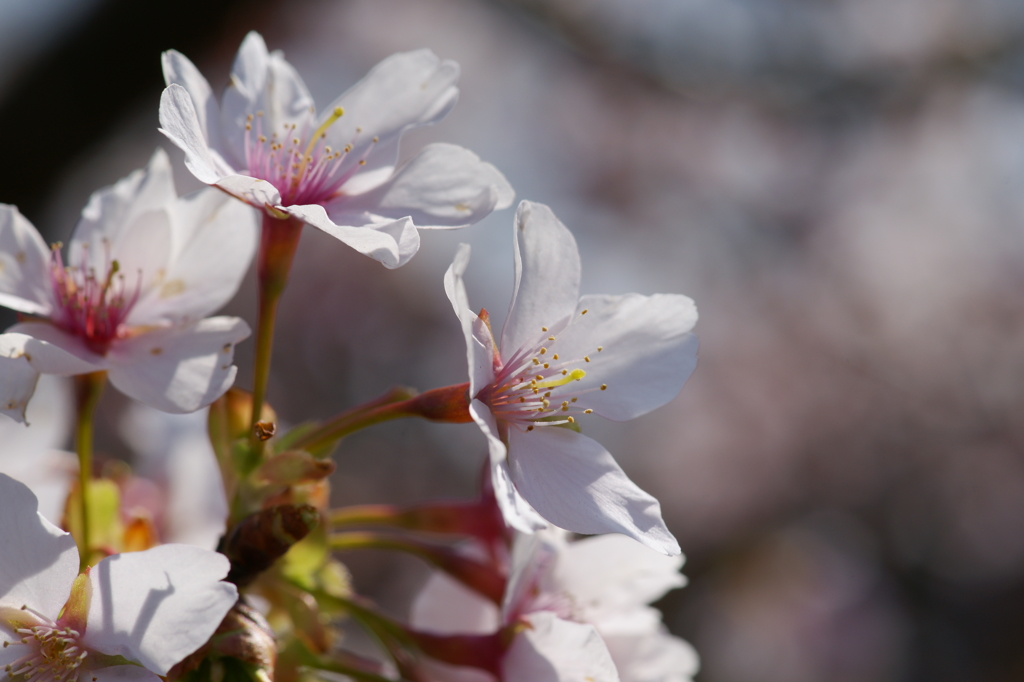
[(839, 184)]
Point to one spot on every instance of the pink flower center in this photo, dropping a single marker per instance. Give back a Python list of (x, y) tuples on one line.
[(300, 164), (51, 653), (534, 386), (92, 305)]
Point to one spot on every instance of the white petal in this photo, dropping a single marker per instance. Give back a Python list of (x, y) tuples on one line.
[(142, 251), (610, 574), (24, 265), (157, 607), (391, 243), (479, 342), (405, 90), (531, 561), (657, 657), (180, 123), (50, 350), (39, 561), (516, 511), (648, 351), (446, 606), (262, 82), (114, 213), (17, 382), (179, 369), (180, 70), (214, 242), (122, 673), (547, 276), (442, 186), (556, 650), (258, 193), (574, 483), (28, 453)]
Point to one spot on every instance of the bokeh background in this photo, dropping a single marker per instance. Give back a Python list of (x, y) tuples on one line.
[(839, 184)]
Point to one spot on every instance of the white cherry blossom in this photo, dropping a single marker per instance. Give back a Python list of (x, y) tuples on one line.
[(265, 144), (577, 609), (144, 269), (131, 617), (561, 360)]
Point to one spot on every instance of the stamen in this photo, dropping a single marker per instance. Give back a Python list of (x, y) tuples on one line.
[(574, 375)]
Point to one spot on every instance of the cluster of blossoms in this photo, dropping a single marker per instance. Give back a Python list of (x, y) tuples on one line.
[(214, 554)]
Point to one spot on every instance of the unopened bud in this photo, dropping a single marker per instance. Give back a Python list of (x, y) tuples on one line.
[(258, 540)]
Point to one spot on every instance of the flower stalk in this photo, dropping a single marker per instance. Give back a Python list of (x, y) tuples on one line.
[(448, 404), (475, 575), (278, 241), (88, 389)]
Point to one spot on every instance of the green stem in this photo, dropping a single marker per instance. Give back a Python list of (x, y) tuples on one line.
[(88, 389), (278, 241), (448, 404)]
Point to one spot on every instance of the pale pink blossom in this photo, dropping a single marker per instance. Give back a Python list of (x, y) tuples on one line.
[(265, 144), (144, 268), (561, 360), (131, 617), (574, 610)]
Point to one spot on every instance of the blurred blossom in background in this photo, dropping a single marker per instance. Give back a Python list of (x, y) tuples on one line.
[(839, 185)]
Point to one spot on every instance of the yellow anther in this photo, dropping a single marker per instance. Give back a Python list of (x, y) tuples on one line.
[(564, 372), (588, 411), (540, 377), (543, 329), (543, 350), (536, 361), (348, 148), (574, 375), (555, 356), (262, 139), (376, 139), (575, 399), (550, 338), (362, 162), (546, 365), (584, 311), (248, 126), (548, 394), (587, 358), (571, 420), (359, 129), (338, 112), (604, 387), (522, 400), (600, 348), (529, 428)]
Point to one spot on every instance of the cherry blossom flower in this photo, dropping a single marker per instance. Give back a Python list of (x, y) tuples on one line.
[(130, 617), (575, 609), (265, 144), (144, 268), (562, 358)]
